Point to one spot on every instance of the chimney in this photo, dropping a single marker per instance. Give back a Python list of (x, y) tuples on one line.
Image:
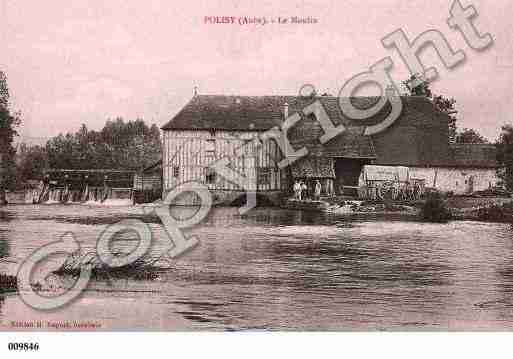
[(195, 92), (285, 110)]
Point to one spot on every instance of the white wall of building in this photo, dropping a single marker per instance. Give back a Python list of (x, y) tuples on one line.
[(457, 180)]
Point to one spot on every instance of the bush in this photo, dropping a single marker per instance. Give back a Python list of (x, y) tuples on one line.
[(8, 283), (435, 209)]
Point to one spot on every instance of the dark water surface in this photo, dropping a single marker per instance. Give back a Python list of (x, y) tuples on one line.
[(284, 270)]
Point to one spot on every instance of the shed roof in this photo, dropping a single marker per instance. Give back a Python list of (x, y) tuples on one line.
[(313, 167), (474, 155)]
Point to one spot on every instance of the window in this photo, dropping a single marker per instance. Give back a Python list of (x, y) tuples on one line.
[(210, 151), (210, 175), (210, 146), (264, 175), (248, 147), (176, 171)]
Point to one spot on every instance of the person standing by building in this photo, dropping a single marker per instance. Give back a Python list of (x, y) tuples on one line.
[(304, 189), (318, 188), (341, 186), (297, 190)]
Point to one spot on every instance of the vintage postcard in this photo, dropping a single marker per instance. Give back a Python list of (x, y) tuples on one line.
[(256, 166)]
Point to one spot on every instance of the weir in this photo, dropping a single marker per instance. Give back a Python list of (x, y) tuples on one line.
[(85, 186)]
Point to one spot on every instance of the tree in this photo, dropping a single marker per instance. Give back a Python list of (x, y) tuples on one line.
[(31, 163), (8, 124), (505, 156), (468, 135), (417, 86), (119, 145)]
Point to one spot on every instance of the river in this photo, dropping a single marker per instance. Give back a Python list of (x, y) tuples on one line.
[(276, 269)]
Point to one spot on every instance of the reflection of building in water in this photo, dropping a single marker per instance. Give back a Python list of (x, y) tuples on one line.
[(210, 128)]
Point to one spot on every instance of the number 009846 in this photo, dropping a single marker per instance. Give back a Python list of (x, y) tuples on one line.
[(23, 346)]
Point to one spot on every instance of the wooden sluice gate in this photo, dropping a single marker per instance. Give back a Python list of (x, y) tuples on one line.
[(85, 186)]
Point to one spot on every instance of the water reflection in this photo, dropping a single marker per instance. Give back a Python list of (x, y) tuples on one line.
[(4, 244), (504, 279), (292, 270), (5, 218)]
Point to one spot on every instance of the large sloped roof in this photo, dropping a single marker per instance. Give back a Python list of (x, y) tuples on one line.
[(260, 113), (349, 144), (417, 138), (205, 112), (220, 112)]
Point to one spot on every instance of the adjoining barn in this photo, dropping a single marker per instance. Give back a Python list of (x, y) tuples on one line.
[(471, 168)]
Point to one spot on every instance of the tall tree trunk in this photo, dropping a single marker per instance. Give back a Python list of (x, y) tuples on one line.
[(3, 200)]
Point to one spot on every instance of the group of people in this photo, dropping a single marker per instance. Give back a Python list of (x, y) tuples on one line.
[(301, 190)]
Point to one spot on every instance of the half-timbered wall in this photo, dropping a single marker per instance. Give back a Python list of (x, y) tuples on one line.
[(187, 155)]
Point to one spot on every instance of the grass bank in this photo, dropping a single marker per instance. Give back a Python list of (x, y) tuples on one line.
[(490, 212)]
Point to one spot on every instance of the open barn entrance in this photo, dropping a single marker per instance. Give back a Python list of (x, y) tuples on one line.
[(347, 172)]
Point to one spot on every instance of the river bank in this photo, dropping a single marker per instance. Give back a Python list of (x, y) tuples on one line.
[(498, 209), (487, 209)]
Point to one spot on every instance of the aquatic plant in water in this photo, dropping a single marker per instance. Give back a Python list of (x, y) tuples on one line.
[(144, 268)]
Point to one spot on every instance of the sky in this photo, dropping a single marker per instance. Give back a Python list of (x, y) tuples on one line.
[(74, 62)]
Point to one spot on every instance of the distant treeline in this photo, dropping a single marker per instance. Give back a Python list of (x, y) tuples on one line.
[(120, 144)]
